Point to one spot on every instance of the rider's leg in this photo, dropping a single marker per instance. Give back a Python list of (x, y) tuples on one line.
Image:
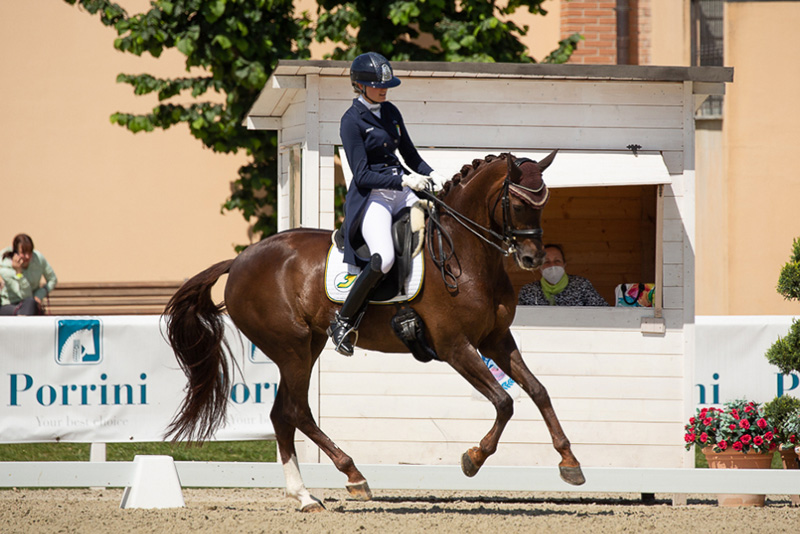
[(376, 227), (343, 328)]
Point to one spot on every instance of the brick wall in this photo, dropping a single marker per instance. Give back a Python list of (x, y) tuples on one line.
[(641, 31), (596, 20)]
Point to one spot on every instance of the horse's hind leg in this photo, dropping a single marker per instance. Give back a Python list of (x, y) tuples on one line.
[(284, 434), (293, 412), (507, 356)]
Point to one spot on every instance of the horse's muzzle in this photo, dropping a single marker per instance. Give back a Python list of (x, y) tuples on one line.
[(529, 261)]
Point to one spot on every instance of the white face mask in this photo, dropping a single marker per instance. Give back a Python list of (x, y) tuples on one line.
[(553, 274)]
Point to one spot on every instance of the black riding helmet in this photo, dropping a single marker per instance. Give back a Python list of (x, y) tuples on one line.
[(373, 70)]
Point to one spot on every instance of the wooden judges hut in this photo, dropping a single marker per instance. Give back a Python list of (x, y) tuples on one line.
[(622, 206)]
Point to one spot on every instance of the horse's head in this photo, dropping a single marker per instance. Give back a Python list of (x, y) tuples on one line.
[(523, 198), (500, 199)]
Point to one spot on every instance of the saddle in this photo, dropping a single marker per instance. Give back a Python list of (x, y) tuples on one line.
[(408, 237)]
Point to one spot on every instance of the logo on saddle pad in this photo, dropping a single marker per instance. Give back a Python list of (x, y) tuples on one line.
[(345, 281), (339, 280), (78, 342)]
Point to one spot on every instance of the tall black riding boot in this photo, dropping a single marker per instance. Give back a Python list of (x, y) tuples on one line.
[(343, 329)]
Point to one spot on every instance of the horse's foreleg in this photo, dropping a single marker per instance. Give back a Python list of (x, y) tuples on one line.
[(507, 356), (469, 365)]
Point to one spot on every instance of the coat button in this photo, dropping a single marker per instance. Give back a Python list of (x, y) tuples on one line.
[(385, 145)]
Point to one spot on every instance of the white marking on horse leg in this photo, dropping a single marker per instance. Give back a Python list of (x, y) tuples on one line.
[(294, 484)]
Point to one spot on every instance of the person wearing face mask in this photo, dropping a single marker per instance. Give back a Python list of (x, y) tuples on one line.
[(557, 288), (21, 271)]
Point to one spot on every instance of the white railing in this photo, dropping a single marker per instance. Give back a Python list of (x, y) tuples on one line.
[(411, 477)]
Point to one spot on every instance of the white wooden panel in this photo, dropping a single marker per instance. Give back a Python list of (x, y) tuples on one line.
[(553, 362), (287, 82), (416, 407), (673, 230), (673, 159), (540, 362), (526, 114), (295, 114), (673, 275), (470, 432), (578, 387), (310, 182), (589, 318), (294, 135), (585, 387), (503, 138), (673, 297), (378, 362), (606, 364), (671, 209), (673, 252), (263, 123), (521, 91), (450, 384), (568, 340)]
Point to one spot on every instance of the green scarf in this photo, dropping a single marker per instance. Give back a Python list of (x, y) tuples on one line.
[(551, 290)]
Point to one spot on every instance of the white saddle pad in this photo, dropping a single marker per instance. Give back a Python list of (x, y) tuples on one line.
[(338, 281)]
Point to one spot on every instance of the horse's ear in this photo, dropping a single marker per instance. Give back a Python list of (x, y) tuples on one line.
[(547, 161), (514, 172)]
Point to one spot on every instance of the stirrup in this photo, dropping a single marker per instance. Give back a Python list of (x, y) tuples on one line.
[(343, 345)]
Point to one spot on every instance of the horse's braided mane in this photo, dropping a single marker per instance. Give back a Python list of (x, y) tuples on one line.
[(468, 171)]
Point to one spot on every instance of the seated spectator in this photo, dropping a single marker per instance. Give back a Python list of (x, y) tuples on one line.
[(21, 272), (557, 288)]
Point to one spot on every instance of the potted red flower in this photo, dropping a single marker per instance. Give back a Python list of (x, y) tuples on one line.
[(736, 436)]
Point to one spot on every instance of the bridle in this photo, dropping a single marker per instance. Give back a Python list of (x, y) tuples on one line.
[(505, 243)]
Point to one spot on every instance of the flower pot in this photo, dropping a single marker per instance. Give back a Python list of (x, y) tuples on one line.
[(738, 460), (791, 461)]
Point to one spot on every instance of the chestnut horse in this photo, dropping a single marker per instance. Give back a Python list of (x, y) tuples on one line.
[(275, 296)]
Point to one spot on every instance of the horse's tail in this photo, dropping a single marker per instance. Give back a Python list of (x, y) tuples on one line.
[(196, 332)]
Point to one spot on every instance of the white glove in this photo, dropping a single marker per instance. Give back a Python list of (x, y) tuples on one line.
[(438, 180), (415, 181)]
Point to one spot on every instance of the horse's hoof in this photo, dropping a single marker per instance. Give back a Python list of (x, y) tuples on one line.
[(572, 475), (468, 466), (360, 491), (313, 507)]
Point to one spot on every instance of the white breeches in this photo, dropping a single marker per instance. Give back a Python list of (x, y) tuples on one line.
[(376, 227)]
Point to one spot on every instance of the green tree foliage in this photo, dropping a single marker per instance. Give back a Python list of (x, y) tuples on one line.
[(789, 279), (465, 30), (785, 353), (236, 44)]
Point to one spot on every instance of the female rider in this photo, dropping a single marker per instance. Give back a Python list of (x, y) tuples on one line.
[(371, 130)]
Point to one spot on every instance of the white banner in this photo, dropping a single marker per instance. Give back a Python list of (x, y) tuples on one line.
[(730, 362), (113, 379)]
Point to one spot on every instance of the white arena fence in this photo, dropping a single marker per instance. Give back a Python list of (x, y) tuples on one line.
[(114, 379)]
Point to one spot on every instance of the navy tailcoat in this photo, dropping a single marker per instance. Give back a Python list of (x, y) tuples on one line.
[(369, 144)]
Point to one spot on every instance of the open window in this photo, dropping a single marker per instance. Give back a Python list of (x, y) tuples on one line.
[(604, 211)]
